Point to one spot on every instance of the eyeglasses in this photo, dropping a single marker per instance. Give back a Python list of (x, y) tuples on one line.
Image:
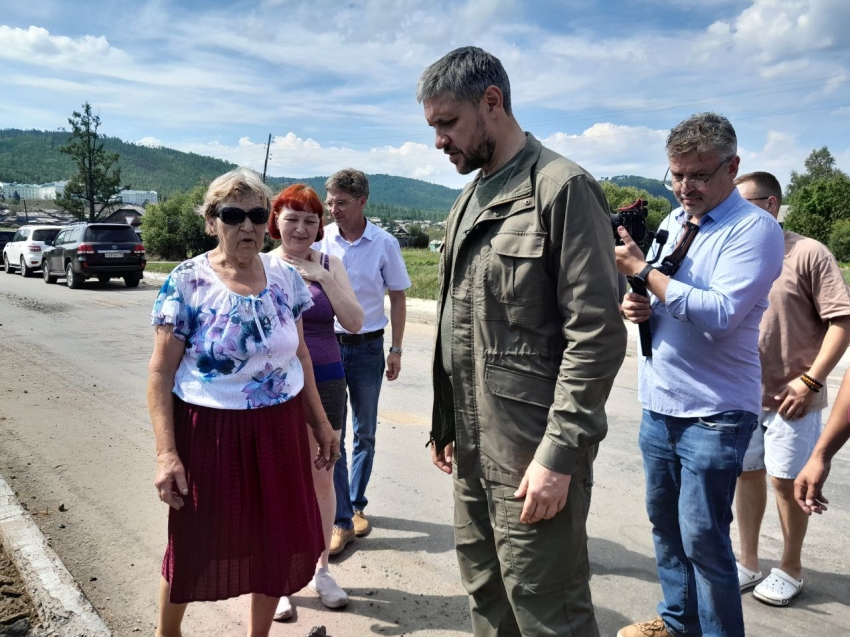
[(696, 182), (757, 198), (236, 216), (339, 203)]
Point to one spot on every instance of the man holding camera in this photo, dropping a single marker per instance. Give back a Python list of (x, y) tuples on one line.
[(529, 341), (701, 388), (804, 333)]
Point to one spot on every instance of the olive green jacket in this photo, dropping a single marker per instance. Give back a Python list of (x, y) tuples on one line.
[(537, 337)]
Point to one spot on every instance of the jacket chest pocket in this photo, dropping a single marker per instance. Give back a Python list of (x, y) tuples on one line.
[(514, 270)]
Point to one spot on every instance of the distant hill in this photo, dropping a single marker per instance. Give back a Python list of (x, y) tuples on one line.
[(652, 186), (32, 156)]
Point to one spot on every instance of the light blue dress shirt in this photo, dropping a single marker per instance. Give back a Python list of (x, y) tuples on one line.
[(705, 357), (374, 264)]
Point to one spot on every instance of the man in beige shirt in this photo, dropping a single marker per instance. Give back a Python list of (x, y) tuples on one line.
[(802, 336)]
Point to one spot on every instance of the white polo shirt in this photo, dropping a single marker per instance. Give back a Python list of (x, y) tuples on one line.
[(374, 264)]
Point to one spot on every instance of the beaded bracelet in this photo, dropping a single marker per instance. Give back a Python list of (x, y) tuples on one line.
[(810, 383), (813, 380)]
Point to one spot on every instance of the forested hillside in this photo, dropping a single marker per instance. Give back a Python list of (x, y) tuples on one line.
[(652, 186), (33, 157)]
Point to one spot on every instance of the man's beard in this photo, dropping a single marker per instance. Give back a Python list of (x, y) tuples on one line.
[(480, 155)]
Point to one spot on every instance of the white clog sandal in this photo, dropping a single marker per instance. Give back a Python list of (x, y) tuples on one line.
[(778, 588)]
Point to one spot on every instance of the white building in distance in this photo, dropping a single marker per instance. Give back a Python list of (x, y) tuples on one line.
[(138, 197), (57, 188), (32, 191)]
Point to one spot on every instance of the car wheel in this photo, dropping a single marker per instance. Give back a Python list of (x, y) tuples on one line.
[(45, 273), (25, 271), (7, 267), (104, 279), (132, 281), (74, 282)]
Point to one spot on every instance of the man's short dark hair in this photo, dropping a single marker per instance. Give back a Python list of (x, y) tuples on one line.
[(464, 75), (767, 185)]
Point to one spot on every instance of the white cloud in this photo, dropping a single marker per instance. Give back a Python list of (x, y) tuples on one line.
[(151, 142), (344, 75), (36, 46)]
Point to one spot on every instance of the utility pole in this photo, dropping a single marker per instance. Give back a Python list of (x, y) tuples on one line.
[(266, 165), (26, 214)]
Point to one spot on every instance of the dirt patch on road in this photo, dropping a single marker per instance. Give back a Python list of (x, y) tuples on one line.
[(37, 305), (17, 611)]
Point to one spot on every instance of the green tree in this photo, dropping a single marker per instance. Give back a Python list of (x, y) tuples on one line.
[(820, 165), (173, 230), (16, 197), (816, 207), (90, 193), (839, 240), (418, 237)]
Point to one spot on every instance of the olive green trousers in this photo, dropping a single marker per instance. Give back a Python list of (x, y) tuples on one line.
[(524, 580)]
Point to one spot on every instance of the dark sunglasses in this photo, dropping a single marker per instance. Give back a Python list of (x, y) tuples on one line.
[(236, 216)]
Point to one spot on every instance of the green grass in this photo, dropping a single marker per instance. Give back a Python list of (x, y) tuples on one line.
[(845, 270), (161, 267), (422, 266)]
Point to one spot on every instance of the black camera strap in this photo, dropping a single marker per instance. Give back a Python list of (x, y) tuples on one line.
[(670, 264)]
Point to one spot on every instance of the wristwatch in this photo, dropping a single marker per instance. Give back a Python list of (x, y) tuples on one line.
[(640, 277), (396, 350)]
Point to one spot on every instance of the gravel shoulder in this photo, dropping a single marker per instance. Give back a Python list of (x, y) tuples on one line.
[(17, 611)]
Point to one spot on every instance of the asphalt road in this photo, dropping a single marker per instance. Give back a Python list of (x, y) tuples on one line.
[(74, 430)]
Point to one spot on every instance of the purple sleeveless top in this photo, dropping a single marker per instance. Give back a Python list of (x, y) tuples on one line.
[(318, 323)]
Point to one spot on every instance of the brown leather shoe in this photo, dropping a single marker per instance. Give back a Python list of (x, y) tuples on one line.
[(361, 524), (654, 628), (340, 538)]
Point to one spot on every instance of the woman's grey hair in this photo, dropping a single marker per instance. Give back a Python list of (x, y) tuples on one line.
[(703, 133), (349, 180), (236, 184), (464, 75)]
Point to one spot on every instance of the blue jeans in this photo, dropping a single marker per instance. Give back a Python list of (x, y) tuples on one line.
[(364, 372), (692, 465)]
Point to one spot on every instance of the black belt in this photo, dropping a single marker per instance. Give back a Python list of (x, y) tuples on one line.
[(356, 339)]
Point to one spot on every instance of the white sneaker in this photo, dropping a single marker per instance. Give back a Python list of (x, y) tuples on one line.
[(283, 610), (329, 591)]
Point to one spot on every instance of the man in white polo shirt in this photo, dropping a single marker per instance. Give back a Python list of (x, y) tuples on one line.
[(373, 260)]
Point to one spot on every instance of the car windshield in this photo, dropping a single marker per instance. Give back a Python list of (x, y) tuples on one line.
[(48, 234), (110, 234)]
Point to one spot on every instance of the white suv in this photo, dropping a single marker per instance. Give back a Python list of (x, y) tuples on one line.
[(26, 248)]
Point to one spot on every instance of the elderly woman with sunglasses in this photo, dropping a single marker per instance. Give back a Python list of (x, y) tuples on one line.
[(297, 221), (230, 389)]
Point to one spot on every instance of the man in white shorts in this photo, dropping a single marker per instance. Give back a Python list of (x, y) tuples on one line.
[(802, 336)]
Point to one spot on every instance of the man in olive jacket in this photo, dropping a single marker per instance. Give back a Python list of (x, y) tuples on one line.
[(529, 341)]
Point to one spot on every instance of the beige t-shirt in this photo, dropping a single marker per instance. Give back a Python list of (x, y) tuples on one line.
[(809, 292)]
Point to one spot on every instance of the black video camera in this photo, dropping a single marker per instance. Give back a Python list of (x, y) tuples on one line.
[(633, 219)]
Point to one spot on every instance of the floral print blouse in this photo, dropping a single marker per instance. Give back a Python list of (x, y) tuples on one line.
[(240, 350)]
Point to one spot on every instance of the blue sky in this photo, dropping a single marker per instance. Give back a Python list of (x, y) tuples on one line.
[(334, 82)]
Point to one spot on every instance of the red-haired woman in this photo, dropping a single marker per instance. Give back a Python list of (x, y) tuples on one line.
[(296, 220)]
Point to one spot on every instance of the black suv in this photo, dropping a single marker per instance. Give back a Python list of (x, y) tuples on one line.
[(5, 237), (102, 250)]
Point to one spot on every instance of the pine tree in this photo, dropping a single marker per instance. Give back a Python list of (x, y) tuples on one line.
[(91, 192)]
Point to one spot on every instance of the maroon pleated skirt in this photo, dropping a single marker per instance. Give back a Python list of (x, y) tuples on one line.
[(250, 523)]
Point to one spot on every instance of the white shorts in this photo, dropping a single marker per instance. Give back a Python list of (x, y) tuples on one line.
[(783, 446)]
